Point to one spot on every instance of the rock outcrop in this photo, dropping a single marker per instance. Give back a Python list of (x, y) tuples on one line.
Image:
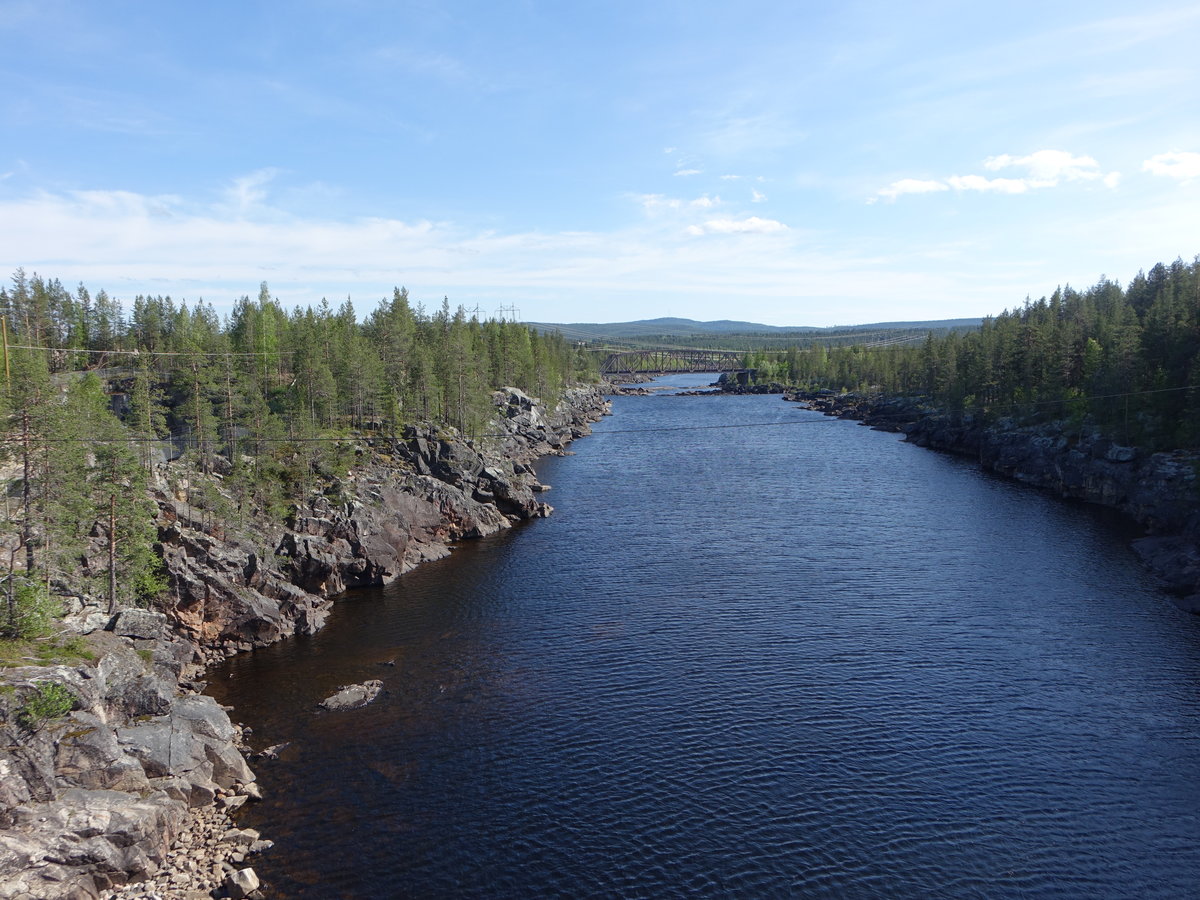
[(129, 756), (353, 696), (408, 499), (96, 791), (1159, 492)]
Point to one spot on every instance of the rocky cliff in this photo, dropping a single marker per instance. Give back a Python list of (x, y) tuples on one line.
[(109, 762), (1160, 492)]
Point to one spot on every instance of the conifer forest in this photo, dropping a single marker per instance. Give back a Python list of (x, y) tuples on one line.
[(267, 400)]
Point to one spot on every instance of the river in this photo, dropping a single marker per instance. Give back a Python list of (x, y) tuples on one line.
[(755, 652)]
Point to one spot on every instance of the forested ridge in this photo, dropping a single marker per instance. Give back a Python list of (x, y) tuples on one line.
[(266, 399), (1125, 360)]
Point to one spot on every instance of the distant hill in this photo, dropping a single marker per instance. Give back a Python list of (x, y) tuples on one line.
[(675, 327)]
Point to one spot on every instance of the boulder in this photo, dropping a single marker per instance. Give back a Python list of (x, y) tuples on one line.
[(139, 623), (353, 696), (241, 884)]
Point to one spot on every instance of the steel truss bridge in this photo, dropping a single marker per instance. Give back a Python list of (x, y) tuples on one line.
[(664, 362)]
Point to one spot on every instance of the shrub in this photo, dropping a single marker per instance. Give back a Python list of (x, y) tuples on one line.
[(49, 701), (30, 610)]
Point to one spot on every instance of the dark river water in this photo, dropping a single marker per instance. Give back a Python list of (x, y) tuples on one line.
[(795, 658)]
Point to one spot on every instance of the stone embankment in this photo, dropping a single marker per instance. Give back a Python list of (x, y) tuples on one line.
[(117, 776), (1160, 492)]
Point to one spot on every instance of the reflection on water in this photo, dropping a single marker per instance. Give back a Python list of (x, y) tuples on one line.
[(803, 660)]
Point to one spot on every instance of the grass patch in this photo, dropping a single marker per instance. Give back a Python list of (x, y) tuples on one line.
[(47, 651)]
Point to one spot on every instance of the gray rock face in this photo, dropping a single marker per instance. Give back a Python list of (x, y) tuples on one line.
[(140, 623), (88, 756), (1158, 490), (85, 841), (93, 798)]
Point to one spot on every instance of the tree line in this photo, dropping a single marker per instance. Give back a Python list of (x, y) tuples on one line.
[(265, 398), (1124, 360)]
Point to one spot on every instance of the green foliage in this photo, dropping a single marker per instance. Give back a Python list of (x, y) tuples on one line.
[(263, 404), (1126, 362), (44, 651), (50, 700), (29, 611)]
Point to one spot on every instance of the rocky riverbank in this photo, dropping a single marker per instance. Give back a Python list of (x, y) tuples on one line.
[(1159, 492), (117, 776)]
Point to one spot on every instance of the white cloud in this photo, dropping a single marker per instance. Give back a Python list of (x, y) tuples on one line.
[(1045, 168), (996, 185), (686, 172), (246, 193), (129, 243), (1048, 167), (706, 202), (750, 225), (757, 196), (911, 186), (1183, 165), (653, 204)]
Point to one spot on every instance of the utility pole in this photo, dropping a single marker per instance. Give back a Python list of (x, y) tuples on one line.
[(27, 495), (112, 553), (7, 373)]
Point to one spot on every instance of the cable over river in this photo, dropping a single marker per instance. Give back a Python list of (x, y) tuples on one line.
[(797, 661)]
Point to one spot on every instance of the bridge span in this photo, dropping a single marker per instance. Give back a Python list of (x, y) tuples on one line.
[(664, 361)]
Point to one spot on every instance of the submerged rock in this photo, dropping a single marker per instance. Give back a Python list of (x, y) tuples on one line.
[(353, 696)]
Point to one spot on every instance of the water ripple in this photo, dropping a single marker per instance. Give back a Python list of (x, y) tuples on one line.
[(808, 662)]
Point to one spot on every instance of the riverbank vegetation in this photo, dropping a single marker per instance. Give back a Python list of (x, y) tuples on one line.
[(1125, 358), (265, 400)]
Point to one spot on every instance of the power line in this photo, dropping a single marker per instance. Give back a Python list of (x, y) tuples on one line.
[(189, 437), (244, 440), (151, 352)]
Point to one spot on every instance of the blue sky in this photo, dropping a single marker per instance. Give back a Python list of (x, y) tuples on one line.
[(787, 163)]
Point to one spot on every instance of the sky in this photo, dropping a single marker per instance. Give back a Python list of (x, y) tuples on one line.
[(789, 163)]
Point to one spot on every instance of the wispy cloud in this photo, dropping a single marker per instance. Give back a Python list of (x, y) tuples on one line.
[(1043, 169), (1047, 168), (655, 203), (1183, 165), (911, 186), (993, 185), (749, 225), (129, 243), (248, 192)]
